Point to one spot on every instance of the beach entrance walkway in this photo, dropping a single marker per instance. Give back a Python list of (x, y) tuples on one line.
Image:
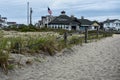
[(93, 61)]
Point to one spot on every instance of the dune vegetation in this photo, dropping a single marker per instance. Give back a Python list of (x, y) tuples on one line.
[(44, 42)]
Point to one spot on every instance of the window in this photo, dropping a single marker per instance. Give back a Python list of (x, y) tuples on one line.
[(55, 26), (108, 24), (66, 27), (117, 24)]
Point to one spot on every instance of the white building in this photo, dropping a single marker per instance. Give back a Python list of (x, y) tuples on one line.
[(3, 22), (112, 24)]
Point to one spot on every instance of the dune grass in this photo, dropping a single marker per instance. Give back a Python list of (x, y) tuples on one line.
[(41, 44), (4, 54)]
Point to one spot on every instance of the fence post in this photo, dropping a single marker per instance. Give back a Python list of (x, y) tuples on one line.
[(86, 34), (65, 37), (97, 31), (18, 47)]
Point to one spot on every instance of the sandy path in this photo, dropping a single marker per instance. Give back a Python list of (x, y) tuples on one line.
[(93, 61)]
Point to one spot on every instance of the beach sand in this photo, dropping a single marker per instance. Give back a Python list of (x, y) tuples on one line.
[(99, 60)]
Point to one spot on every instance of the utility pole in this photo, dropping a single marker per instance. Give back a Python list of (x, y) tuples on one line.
[(31, 11), (27, 13)]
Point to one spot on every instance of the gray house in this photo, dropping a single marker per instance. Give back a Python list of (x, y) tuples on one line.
[(65, 22), (84, 23), (91, 25)]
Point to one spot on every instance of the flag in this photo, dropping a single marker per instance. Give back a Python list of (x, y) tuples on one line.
[(49, 11)]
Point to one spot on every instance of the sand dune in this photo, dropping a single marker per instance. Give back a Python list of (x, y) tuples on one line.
[(93, 61)]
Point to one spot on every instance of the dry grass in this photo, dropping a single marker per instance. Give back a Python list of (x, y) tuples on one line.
[(34, 42)]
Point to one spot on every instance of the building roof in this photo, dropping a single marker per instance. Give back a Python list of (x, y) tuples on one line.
[(11, 23), (85, 21), (65, 20), (95, 23), (112, 20)]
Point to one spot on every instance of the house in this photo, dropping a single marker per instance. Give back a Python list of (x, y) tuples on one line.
[(44, 21), (91, 25), (65, 22), (3, 22), (11, 23), (95, 25), (112, 24), (84, 23)]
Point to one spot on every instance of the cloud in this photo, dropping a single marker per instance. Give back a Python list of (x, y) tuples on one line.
[(16, 9), (103, 18), (85, 5)]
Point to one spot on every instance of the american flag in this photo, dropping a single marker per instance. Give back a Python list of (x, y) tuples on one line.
[(49, 11)]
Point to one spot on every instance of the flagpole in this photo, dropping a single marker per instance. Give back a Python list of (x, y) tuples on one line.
[(27, 13)]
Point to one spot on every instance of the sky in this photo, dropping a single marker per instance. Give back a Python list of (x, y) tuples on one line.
[(100, 10)]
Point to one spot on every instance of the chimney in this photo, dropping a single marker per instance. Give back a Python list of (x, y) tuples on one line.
[(72, 16), (82, 17), (63, 13), (108, 19)]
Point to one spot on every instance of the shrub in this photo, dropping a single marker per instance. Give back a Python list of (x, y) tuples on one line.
[(11, 66), (4, 55), (75, 40), (61, 45), (4, 61), (45, 44)]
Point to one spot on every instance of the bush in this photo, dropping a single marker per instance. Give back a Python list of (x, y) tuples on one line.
[(4, 61), (4, 55), (75, 40), (61, 45), (93, 34), (60, 31)]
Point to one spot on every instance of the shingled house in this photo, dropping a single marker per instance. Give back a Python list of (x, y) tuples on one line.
[(84, 23), (65, 22), (92, 25)]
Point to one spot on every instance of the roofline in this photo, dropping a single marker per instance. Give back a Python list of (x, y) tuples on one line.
[(85, 25)]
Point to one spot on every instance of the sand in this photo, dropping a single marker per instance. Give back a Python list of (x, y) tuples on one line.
[(98, 60)]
